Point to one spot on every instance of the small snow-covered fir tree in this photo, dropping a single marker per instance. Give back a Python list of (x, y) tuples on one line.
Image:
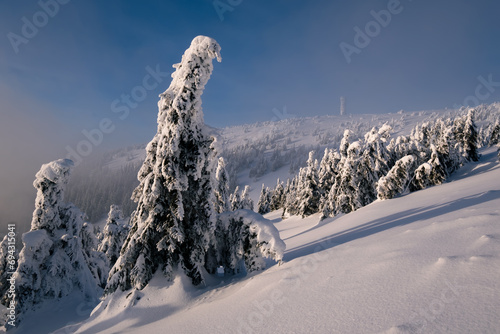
[(221, 187), (346, 184), (114, 234), (328, 170), (429, 174), (466, 134), (264, 203), (175, 217), (373, 163), (290, 206), (278, 196), (471, 137), (446, 147), (58, 256), (246, 201), (308, 191), (97, 260), (397, 179), (327, 205), (344, 143), (495, 134), (235, 199)]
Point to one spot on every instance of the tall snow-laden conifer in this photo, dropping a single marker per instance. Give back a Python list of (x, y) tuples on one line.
[(175, 217), (57, 258)]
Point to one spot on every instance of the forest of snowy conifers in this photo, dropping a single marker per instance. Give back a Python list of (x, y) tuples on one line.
[(190, 215)]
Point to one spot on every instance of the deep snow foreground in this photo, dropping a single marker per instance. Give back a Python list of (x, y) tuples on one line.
[(427, 262)]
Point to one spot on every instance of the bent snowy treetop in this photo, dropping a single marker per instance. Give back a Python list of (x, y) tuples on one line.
[(55, 171), (189, 79)]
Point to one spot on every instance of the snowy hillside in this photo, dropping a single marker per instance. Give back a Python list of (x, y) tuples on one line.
[(256, 153), (427, 262)]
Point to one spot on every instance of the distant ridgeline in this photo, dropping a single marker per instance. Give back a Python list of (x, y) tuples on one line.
[(258, 149)]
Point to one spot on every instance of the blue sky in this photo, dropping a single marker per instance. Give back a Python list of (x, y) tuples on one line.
[(64, 79)]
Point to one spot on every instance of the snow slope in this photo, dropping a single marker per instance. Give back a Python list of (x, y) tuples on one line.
[(427, 262)]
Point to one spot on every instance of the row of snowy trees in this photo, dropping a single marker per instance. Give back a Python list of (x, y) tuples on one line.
[(183, 221), (378, 167)]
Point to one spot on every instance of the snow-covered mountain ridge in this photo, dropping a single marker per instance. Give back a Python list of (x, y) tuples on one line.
[(255, 153)]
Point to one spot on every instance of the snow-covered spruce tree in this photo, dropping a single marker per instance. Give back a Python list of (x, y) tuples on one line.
[(328, 170), (57, 257), (308, 191), (373, 163), (403, 146), (375, 150), (246, 201), (278, 196), (97, 260), (495, 134), (446, 146), (235, 199), (264, 203), (114, 234), (430, 173), (175, 217), (344, 143), (467, 135), (346, 184), (290, 206), (221, 187), (397, 179), (422, 134), (328, 204)]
